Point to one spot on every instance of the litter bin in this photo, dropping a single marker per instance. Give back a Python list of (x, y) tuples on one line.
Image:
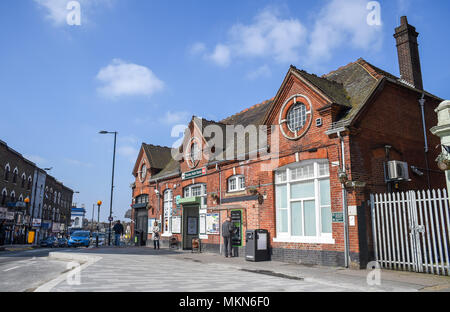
[(257, 245)]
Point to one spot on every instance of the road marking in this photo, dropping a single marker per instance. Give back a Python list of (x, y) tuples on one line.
[(10, 269)]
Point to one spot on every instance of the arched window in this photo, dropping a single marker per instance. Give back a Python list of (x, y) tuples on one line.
[(4, 197), (15, 175), (21, 198), (55, 197), (30, 180), (24, 178), (236, 183), (7, 171), (13, 197), (168, 203)]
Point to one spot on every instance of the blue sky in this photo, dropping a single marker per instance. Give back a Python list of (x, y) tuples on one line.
[(140, 67)]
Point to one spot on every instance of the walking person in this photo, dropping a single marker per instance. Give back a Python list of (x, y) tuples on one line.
[(227, 231), (155, 236), (118, 232)]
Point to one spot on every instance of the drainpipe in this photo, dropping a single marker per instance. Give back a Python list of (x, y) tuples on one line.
[(422, 108), (344, 204), (220, 204)]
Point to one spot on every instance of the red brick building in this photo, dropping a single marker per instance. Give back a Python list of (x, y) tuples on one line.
[(302, 165)]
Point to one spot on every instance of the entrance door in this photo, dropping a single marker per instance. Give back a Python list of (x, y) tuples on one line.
[(142, 225), (190, 225)]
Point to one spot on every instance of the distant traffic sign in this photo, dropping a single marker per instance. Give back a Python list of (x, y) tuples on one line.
[(110, 219)]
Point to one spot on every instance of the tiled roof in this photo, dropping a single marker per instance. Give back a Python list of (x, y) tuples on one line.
[(332, 89), (253, 115), (158, 156)]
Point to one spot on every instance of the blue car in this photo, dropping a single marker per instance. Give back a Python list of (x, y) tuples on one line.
[(79, 238)]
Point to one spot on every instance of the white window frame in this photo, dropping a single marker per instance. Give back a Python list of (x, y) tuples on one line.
[(237, 182), (168, 209), (284, 177), (187, 192)]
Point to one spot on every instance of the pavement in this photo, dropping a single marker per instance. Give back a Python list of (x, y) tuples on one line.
[(17, 247), (144, 269)]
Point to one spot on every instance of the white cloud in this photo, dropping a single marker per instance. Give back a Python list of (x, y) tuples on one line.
[(268, 36), (197, 48), (126, 79), (260, 72), (57, 9), (172, 118), (221, 55), (340, 23), (343, 23)]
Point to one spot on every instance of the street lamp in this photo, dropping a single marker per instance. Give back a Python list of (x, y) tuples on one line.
[(27, 201), (112, 183), (99, 203)]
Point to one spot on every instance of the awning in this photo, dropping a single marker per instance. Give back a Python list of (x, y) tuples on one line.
[(190, 201), (138, 206)]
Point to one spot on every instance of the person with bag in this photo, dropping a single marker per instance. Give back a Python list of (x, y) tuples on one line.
[(155, 235)]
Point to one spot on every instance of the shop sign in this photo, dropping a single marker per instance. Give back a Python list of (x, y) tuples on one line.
[(37, 222), (338, 217), (55, 227), (9, 216), (193, 174), (3, 212)]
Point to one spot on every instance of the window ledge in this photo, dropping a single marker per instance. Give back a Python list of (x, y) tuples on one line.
[(305, 240), (166, 234)]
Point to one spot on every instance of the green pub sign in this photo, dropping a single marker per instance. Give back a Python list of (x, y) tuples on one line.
[(193, 174)]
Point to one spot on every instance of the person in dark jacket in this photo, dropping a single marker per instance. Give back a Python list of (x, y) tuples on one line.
[(227, 232), (118, 231)]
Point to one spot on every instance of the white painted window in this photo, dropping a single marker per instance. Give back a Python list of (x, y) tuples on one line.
[(196, 190), (303, 203), (236, 183), (168, 204)]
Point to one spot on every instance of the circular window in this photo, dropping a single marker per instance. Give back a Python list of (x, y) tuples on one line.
[(296, 117)]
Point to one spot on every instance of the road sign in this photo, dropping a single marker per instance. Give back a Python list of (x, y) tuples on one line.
[(110, 219)]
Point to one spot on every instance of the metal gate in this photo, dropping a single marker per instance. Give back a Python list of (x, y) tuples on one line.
[(411, 231)]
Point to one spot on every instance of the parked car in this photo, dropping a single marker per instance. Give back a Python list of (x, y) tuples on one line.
[(63, 242), (101, 239), (79, 238), (50, 241)]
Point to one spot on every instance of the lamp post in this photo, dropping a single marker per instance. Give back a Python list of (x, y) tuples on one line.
[(99, 203), (27, 201), (112, 183)]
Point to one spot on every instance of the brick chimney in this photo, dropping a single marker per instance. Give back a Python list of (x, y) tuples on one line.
[(408, 53)]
